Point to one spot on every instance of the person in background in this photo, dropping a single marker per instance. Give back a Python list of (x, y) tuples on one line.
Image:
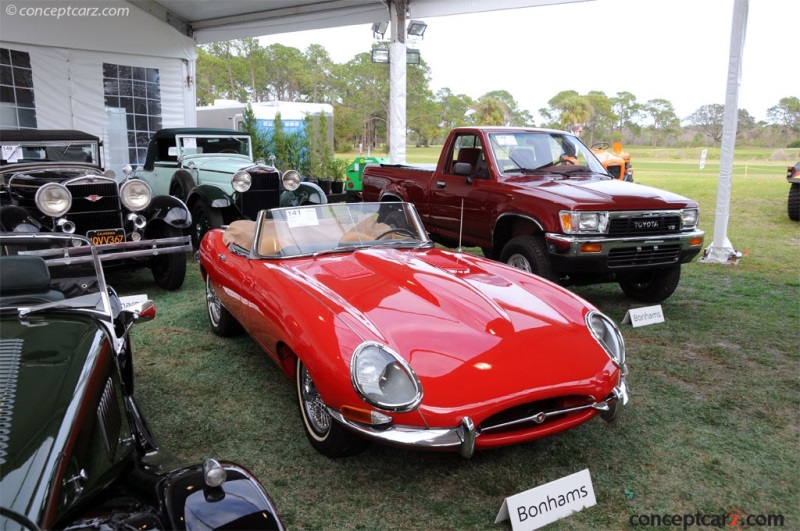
[(576, 129)]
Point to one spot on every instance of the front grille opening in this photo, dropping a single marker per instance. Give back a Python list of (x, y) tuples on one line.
[(644, 255), (528, 410)]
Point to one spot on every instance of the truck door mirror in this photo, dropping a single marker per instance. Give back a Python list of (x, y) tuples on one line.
[(462, 168)]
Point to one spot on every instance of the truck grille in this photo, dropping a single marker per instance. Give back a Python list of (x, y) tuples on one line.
[(515, 418), (643, 226), (264, 193), (644, 255), (95, 206)]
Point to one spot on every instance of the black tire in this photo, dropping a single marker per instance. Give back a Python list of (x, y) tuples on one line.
[(529, 254), (169, 270), (323, 432), (655, 285), (793, 204), (222, 322), (204, 218)]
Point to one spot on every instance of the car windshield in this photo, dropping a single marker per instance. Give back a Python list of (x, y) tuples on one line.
[(39, 272), (14, 152), (518, 151), (213, 144), (337, 227)]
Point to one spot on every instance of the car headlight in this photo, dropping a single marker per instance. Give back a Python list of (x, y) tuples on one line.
[(384, 379), (608, 335), (583, 222), (135, 194), (241, 181), (291, 180), (53, 199), (690, 217)]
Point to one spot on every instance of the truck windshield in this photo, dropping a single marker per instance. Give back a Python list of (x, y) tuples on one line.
[(527, 150)]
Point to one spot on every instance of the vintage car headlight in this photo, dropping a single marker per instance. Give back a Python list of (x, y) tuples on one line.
[(291, 180), (53, 199), (690, 217), (135, 194), (608, 335), (241, 181), (573, 222), (384, 379)]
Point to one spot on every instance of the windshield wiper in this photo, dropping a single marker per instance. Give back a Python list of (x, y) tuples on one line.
[(342, 249)]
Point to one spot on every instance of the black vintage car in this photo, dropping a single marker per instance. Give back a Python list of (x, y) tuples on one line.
[(53, 181), (75, 451)]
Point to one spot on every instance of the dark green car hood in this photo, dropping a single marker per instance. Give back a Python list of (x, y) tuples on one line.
[(43, 376)]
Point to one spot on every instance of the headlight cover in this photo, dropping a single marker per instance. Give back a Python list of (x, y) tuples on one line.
[(291, 180), (573, 222), (384, 379), (241, 181), (135, 194), (690, 217), (53, 199), (608, 335)]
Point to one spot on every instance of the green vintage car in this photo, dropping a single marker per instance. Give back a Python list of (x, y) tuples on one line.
[(75, 450), (213, 172)]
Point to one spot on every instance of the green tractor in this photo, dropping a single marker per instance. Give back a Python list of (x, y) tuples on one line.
[(353, 184)]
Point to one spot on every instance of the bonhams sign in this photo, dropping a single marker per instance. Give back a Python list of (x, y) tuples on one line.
[(547, 503)]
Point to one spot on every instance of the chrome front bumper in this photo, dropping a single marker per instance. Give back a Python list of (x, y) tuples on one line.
[(144, 248), (464, 435), (567, 245)]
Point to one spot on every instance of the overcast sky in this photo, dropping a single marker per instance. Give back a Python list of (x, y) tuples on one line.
[(670, 49)]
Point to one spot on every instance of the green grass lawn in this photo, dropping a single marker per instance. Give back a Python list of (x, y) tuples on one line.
[(712, 426)]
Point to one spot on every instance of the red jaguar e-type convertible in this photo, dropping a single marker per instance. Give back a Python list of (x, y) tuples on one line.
[(390, 339)]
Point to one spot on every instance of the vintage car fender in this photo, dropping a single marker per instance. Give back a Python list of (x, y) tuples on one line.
[(212, 195), (170, 210), (307, 192), (190, 504), (17, 219)]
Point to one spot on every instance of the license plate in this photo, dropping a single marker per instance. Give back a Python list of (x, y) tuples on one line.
[(103, 237)]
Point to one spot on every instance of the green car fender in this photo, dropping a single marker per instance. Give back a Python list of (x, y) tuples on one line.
[(212, 195)]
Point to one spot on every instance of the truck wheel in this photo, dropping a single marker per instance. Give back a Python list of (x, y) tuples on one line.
[(793, 205), (655, 285), (529, 254), (169, 270), (204, 218)]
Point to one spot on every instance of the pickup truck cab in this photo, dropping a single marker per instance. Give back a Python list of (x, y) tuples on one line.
[(539, 200)]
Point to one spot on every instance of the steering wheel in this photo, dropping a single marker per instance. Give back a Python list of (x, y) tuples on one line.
[(600, 145), (396, 231), (233, 151)]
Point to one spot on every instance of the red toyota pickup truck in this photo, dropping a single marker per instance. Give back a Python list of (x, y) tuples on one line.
[(538, 199)]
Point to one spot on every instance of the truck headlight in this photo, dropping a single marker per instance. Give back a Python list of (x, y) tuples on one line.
[(608, 335), (241, 181), (583, 222), (690, 217), (135, 194), (291, 180), (53, 199), (384, 379)]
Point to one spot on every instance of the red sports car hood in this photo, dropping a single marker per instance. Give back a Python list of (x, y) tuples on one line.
[(602, 194), (472, 325)]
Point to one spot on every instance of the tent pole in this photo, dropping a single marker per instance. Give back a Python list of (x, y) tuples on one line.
[(721, 250)]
